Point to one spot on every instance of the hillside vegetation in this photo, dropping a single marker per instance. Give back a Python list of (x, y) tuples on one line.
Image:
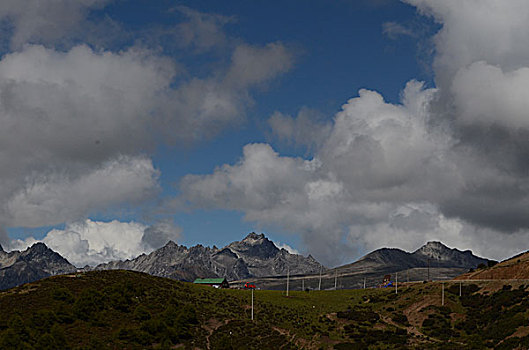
[(131, 310), (516, 267)]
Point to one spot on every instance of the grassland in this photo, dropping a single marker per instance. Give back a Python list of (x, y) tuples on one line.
[(130, 310)]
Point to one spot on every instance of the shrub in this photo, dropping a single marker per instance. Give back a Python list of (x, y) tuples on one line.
[(141, 313), (89, 302), (43, 320), (63, 294), (491, 263)]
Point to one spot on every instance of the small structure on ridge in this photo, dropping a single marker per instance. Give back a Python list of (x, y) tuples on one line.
[(213, 282)]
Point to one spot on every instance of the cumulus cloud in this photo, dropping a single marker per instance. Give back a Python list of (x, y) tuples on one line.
[(93, 242), (157, 235), (253, 65), (45, 21), (376, 156), (308, 128), (53, 199), (202, 31), (447, 163), (74, 124), (79, 124)]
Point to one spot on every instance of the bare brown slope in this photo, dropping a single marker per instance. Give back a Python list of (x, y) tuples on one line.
[(516, 267)]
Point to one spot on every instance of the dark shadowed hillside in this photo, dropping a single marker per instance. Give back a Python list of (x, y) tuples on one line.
[(131, 310)]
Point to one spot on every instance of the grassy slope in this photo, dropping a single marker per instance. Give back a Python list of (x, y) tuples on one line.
[(516, 267), (124, 309)]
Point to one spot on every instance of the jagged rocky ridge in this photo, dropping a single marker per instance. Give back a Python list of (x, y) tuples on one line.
[(36, 262), (254, 256)]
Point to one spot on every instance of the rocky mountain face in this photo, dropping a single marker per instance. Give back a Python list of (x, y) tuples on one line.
[(36, 262), (254, 256)]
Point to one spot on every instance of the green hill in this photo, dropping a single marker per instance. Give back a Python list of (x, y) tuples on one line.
[(131, 310)]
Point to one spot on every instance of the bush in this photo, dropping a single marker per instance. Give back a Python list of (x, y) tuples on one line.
[(89, 302), (43, 320), (63, 294), (359, 315), (141, 313), (491, 263)]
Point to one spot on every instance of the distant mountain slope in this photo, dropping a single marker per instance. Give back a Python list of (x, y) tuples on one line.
[(433, 254), (34, 263), (254, 256), (516, 267), (445, 263)]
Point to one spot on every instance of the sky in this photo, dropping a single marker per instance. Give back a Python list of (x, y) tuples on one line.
[(334, 127)]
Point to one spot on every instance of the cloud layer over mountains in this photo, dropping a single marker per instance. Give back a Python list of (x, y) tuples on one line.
[(447, 163)]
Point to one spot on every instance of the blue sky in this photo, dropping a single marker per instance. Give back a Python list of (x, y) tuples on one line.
[(339, 48), (335, 127)]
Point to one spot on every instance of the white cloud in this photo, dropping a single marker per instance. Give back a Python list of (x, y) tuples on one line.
[(157, 235), (382, 177), (94, 242), (393, 30), (286, 247), (306, 129), (447, 163), (253, 65), (45, 21), (53, 199), (78, 125), (202, 31)]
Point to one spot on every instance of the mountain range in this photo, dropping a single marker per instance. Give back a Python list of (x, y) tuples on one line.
[(432, 254), (34, 263), (432, 261), (255, 257)]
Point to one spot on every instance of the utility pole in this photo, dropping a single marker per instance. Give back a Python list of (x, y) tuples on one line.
[(428, 280), (396, 282), (460, 288), (303, 284), (442, 294), (252, 304), (364, 283), (335, 278), (288, 277), (319, 284)]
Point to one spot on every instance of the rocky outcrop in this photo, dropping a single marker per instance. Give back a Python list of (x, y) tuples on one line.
[(254, 256), (34, 263)]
